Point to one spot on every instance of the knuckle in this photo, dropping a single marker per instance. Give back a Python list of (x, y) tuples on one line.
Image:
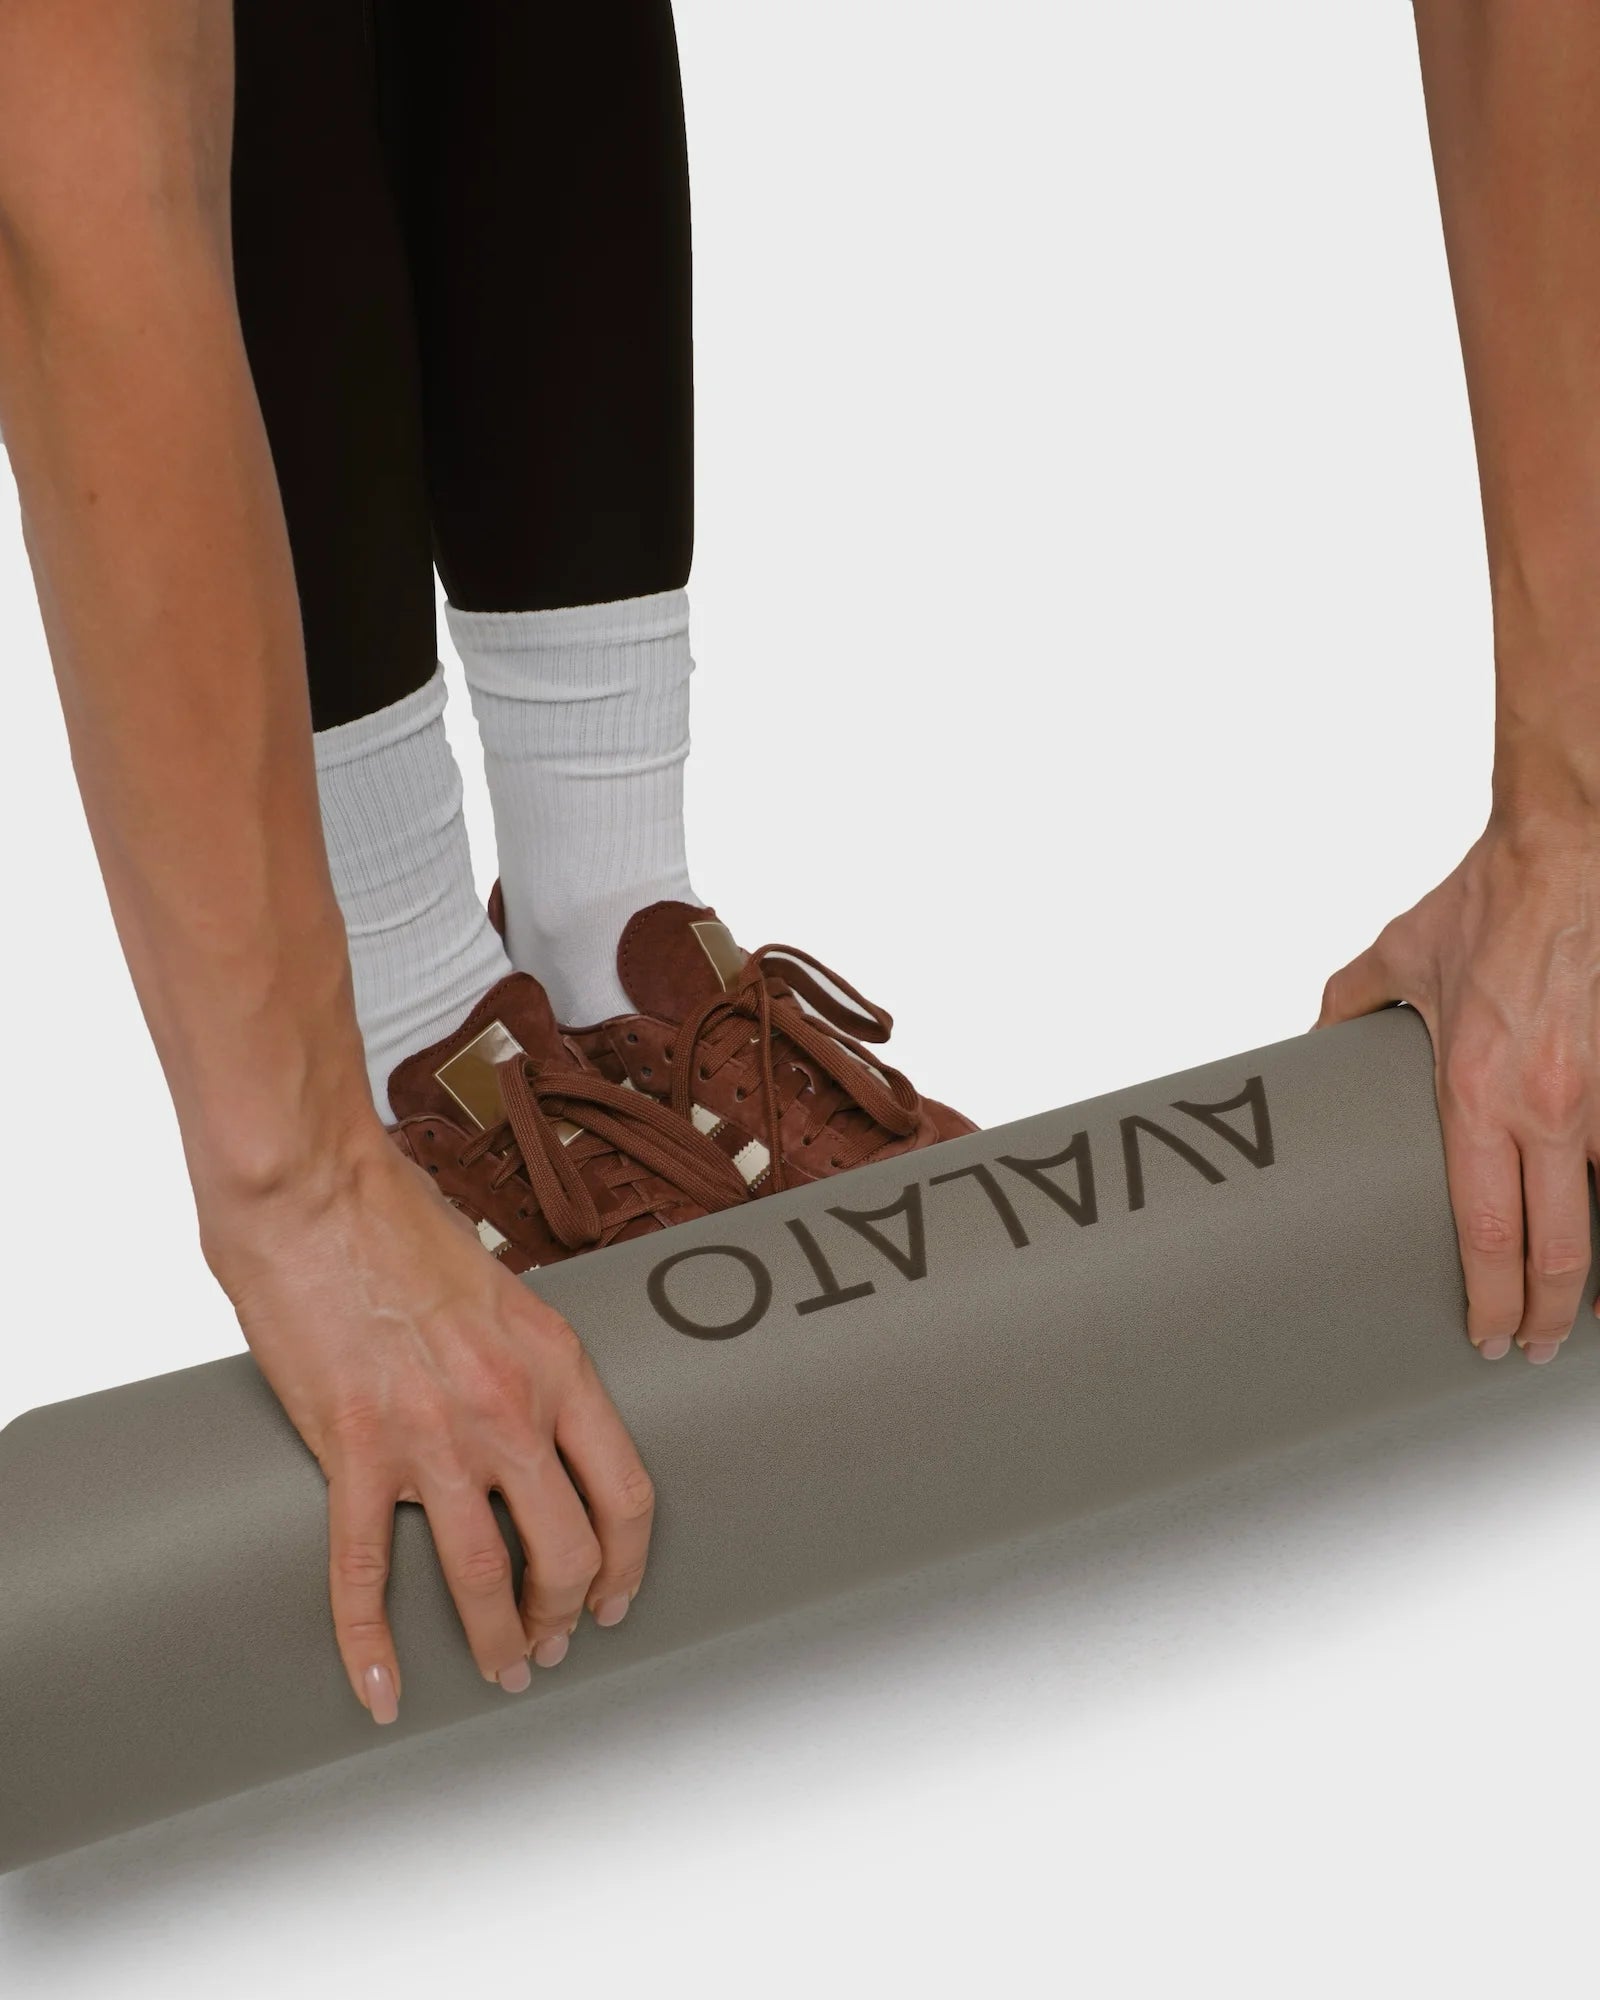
[(366, 1633), (624, 1577), (1465, 1077), (1553, 1092), (558, 1343), (1492, 1236), (443, 1469), (1562, 1257), (362, 1565), (358, 1429), (634, 1496), (484, 1571), (498, 1386), (570, 1567)]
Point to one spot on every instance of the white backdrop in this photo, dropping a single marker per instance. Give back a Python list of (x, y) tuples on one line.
[(1088, 551)]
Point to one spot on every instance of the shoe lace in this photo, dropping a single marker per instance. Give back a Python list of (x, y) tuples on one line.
[(776, 980), (643, 1138)]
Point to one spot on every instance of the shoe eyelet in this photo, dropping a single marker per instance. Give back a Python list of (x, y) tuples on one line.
[(669, 1055), (703, 1073), (428, 1135), (740, 1095), (631, 1036), (647, 1071), (836, 1164), (806, 1141), (432, 1169)]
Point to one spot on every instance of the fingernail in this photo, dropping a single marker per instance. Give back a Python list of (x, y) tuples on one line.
[(550, 1652), (611, 1610), (1541, 1351), (1496, 1348), (382, 1701), (515, 1678)]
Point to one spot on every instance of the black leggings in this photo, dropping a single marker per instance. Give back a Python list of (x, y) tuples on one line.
[(461, 245)]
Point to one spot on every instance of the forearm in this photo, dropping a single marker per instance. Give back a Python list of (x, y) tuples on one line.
[(157, 540), (1511, 89)]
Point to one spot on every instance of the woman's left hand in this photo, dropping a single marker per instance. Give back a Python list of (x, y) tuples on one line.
[(1502, 961)]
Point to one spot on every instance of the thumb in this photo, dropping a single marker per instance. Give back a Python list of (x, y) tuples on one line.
[(1362, 987)]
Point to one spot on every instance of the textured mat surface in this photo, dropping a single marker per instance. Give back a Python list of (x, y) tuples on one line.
[(833, 1385)]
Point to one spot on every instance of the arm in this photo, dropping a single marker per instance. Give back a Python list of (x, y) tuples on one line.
[(411, 1363), (1503, 959)]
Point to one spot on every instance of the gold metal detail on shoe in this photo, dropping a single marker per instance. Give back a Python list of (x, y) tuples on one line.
[(727, 960), (470, 1077)]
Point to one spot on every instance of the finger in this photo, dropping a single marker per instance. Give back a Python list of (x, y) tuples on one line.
[(563, 1554), (1485, 1174), (360, 1535), (477, 1569), (1555, 1194), (1362, 987), (622, 1502)]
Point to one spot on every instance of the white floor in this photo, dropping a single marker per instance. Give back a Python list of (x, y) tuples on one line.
[(1081, 421)]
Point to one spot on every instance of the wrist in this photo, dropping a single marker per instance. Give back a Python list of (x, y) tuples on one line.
[(1546, 786), (1547, 718), (251, 1218), (268, 1076), (296, 1155)]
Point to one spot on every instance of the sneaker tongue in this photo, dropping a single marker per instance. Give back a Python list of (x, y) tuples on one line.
[(673, 957), (455, 1078)]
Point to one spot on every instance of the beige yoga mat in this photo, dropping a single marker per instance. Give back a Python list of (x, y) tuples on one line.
[(833, 1385)]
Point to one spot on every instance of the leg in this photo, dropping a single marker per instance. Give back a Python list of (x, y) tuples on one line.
[(326, 308), (541, 154), (544, 177), (325, 302)]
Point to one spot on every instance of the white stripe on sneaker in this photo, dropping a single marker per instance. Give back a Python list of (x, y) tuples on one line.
[(752, 1160)]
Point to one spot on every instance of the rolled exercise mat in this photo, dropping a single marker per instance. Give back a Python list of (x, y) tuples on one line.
[(832, 1385)]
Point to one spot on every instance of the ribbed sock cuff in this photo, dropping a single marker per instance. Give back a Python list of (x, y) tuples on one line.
[(511, 652), (370, 735)]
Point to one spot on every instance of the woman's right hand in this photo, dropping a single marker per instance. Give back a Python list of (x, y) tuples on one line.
[(413, 1365), (417, 1368)]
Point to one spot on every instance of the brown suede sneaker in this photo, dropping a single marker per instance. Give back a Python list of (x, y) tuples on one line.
[(546, 1157), (783, 1089)]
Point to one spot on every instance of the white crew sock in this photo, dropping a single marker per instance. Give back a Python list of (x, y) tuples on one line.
[(421, 946), (584, 715)]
